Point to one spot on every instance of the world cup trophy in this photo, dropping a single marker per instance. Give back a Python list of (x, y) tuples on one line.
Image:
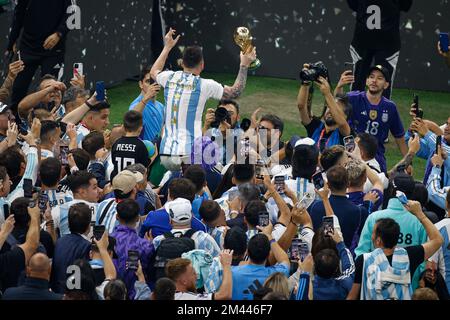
[(244, 39)]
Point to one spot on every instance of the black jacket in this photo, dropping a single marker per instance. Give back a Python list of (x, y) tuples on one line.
[(39, 19), (32, 289)]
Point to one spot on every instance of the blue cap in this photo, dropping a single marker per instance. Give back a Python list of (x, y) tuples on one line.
[(158, 222)]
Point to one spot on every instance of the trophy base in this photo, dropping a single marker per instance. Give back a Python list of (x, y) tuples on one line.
[(255, 65)]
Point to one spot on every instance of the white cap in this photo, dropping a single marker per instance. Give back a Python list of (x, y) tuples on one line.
[(179, 210), (305, 141)]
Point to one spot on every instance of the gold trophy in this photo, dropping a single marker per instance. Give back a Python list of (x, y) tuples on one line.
[(244, 39)]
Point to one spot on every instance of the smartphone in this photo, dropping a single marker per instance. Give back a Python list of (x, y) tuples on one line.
[(19, 57), (98, 232), (322, 144), (28, 188), (42, 201), (245, 148), (318, 180), (260, 170), (303, 250), (438, 143), (78, 69), (6, 211), (279, 183), (349, 65), (263, 219), (443, 41), (232, 195), (306, 201), (328, 226), (133, 260), (100, 90), (63, 153), (401, 197), (349, 143), (294, 249)]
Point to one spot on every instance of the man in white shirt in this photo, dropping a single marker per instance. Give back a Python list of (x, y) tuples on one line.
[(186, 95)]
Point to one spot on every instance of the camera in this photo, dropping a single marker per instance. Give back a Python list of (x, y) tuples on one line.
[(315, 71), (221, 115)]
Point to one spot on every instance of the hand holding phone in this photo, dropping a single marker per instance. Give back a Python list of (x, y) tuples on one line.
[(443, 41), (306, 201), (264, 219), (63, 155), (28, 188), (78, 69), (401, 197), (42, 201), (279, 184), (318, 180), (438, 143), (328, 226), (98, 232), (349, 144)]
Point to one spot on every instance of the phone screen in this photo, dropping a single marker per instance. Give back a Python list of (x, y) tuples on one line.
[(98, 232), (63, 153), (318, 181), (133, 260), (306, 201), (263, 219), (43, 200), (328, 226), (28, 188), (444, 41), (279, 183), (349, 143), (77, 69), (438, 143), (100, 90)]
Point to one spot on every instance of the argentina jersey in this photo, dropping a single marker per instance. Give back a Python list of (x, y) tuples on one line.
[(442, 256), (106, 215), (60, 215), (58, 197), (185, 96), (82, 132)]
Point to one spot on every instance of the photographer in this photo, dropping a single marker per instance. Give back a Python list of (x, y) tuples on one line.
[(333, 124), (223, 124)]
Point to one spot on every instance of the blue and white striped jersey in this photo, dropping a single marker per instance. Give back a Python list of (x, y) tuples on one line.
[(185, 96), (58, 197), (30, 173), (82, 132), (47, 154), (442, 256), (109, 221), (60, 215)]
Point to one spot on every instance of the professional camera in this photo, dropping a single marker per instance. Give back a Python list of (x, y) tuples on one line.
[(221, 115), (315, 71)]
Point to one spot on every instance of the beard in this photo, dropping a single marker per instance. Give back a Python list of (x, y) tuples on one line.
[(330, 122), (375, 92)]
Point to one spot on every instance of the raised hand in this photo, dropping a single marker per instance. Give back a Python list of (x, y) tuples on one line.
[(169, 41)]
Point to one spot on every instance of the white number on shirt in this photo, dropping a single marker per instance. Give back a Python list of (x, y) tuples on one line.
[(372, 128), (122, 163)]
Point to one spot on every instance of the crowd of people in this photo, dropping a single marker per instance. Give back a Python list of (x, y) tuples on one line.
[(176, 203)]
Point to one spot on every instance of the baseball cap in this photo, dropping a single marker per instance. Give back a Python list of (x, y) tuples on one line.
[(158, 222), (305, 142), (126, 180), (180, 210), (3, 108), (383, 70)]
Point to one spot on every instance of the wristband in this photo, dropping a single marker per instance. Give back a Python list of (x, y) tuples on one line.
[(292, 221), (272, 241), (90, 106)]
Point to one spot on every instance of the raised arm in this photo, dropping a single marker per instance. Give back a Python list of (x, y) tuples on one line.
[(238, 87), (278, 253), (302, 103), (102, 245), (30, 101), (337, 112), (346, 78), (324, 194), (32, 241), (169, 44), (414, 146), (285, 212), (435, 238), (78, 114), (226, 288)]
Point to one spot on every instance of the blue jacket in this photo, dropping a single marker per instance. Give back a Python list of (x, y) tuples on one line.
[(32, 289), (336, 288)]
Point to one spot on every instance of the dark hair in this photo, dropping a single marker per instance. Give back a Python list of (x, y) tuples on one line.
[(225, 102), (78, 180), (115, 290), (252, 211), (320, 242), (19, 208), (132, 121), (87, 290), (420, 193), (192, 56), (73, 93), (93, 142), (48, 128), (81, 158), (128, 210), (337, 178), (389, 232), (3, 173), (100, 106), (236, 240), (368, 144), (164, 289), (344, 100), (144, 72), (50, 172), (277, 123), (182, 188), (209, 211), (11, 159), (243, 172), (331, 156), (258, 248), (304, 161), (326, 264), (225, 184), (274, 296), (79, 218), (47, 76), (197, 175)]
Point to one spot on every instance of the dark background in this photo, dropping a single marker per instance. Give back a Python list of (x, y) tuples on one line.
[(115, 39)]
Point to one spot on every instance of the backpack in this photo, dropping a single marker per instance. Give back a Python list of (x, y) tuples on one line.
[(170, 248)]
